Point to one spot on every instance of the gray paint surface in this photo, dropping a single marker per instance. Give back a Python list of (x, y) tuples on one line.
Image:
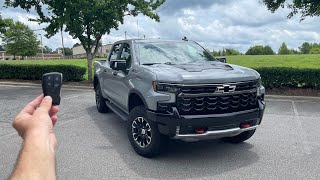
[(95, 146)]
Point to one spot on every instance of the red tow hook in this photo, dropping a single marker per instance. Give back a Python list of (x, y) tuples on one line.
[(199, 131), (245, 125)]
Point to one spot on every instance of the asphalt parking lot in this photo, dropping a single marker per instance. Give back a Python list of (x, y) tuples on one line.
[(95, 146)]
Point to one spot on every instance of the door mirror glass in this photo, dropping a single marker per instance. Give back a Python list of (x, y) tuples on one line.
[(222, 59)]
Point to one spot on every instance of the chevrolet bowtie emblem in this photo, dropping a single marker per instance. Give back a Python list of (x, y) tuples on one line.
[(226, 89)]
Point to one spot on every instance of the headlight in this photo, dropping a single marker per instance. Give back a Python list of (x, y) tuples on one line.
[(163, 87)]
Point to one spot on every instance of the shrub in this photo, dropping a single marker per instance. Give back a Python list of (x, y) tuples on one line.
[(35, 72), (277, 77)]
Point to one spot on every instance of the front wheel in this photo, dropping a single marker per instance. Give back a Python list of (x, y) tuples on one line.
[(143, 133), (240, 138)]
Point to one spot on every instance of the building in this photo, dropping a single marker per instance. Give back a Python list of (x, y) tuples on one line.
[(79, 52), (6, 56)]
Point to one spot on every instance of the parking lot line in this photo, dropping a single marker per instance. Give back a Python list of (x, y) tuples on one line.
[(306, 146)]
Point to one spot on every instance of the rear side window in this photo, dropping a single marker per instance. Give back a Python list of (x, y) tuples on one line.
[(115, 52)]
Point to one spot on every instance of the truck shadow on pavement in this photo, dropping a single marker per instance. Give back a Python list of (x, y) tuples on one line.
[(181, 160)]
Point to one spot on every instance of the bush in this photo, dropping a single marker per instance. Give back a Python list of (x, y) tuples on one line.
[(277, 77), (35, 72)]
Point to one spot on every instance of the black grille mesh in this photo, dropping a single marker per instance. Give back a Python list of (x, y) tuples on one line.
[(219, 104)]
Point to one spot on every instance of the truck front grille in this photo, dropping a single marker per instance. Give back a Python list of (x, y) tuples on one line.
[(197, 102), (242, 86)]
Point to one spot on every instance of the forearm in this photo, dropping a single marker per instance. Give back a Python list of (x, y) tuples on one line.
[(36, 159)]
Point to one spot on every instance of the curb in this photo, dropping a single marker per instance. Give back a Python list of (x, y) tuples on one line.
[(39, 85)]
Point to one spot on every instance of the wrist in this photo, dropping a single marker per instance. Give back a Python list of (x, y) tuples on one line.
[(39, 140)]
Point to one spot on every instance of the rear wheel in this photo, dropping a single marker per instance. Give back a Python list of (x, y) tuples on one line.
[(100, 101), (143, 133), (240, 138)]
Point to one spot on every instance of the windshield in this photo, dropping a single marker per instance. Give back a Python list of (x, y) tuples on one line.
[(171, 53)]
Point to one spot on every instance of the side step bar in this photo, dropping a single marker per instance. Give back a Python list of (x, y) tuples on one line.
[(117, 110)]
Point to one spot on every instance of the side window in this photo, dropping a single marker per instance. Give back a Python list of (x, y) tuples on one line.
[(115, 51), (126, 54)]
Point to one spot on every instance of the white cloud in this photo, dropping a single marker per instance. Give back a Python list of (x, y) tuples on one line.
[(215, 24)]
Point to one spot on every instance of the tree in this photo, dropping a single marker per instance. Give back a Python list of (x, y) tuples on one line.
[(305, 48), (87, 20), (76, 45), (268, 50), (260, 50), (232, 52), (4, 25), (1, 48), (283, 49), (20, 40), (46, 50), (315, 50), (67, 51), (293, 51), (305, 8)]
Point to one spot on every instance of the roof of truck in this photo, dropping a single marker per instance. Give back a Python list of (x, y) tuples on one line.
[(151, 40)]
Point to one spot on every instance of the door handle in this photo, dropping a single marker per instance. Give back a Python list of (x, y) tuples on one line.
[(114, 73)]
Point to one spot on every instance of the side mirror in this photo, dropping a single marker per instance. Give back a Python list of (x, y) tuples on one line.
[(222, 59), (118, 65)]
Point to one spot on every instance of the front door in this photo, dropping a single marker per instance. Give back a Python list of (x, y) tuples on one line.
[(121, 78), (109, 79)]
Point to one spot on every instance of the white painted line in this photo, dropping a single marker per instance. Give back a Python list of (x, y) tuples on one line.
[(36, 87), (306, 146), (6, 85)]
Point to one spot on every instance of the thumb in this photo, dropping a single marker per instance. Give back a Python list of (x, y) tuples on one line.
[(46, 104)]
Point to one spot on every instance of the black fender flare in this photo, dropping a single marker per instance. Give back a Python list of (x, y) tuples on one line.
[(134, 91)]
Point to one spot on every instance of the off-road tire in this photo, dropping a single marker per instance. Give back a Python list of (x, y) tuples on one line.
[(157, 142)]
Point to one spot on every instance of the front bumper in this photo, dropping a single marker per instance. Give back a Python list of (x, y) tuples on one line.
[(215, 125)]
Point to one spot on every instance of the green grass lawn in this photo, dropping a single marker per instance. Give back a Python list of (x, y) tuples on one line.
[(295, 61)]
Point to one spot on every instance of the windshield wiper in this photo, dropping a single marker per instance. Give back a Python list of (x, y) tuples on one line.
[(150, 64), (169, 63)]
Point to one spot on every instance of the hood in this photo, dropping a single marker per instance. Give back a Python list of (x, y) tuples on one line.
[(207, 72)]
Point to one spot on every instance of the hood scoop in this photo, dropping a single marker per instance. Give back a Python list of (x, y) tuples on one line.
[(201, 67)]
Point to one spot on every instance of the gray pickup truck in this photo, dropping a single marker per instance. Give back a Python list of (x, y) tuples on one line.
[(176, 89)]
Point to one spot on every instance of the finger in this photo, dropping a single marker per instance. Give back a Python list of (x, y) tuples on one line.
[(54, 120), (46, 104), (32, 106), (54, 110)]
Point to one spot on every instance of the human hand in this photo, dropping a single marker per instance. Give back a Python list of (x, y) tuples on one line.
[(37, 119)]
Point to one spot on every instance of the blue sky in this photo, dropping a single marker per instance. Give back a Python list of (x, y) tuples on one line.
[(215, 24)]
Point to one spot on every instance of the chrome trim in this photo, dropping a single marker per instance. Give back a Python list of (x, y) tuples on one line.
[(213, 134), (195, 85), (216, 94)]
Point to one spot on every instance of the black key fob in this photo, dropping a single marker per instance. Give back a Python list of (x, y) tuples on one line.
[(51, 86)]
